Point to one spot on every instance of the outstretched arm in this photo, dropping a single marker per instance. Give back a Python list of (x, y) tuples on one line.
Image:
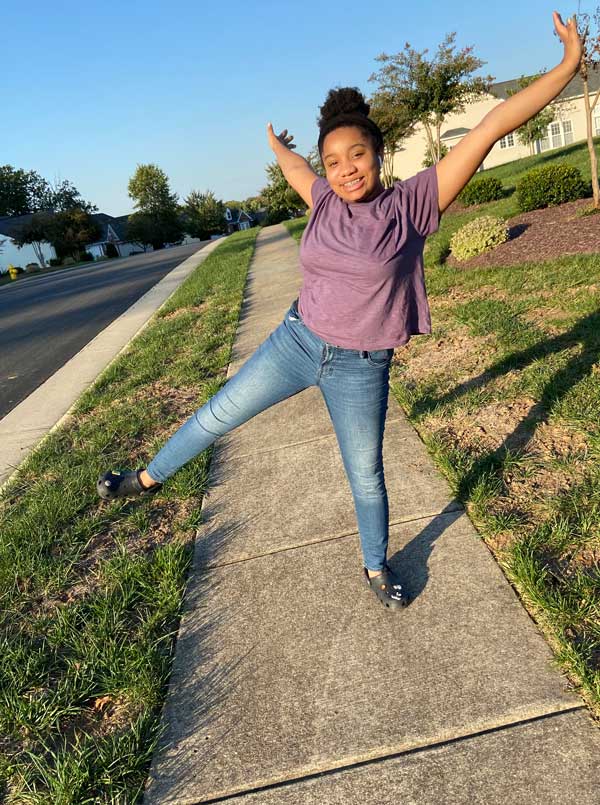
[(457, 167), (296, 169)]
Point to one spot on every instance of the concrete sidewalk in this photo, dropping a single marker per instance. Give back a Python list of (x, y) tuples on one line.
[(292, 684)]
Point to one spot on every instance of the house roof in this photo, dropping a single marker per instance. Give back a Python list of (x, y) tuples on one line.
[(10, 226), (118, 225), (573, 89), (237, 213), (448, 135)]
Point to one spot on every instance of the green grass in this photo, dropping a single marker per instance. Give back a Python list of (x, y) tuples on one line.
[(509, 174), (296, 227), (505, 394), (91, 592)]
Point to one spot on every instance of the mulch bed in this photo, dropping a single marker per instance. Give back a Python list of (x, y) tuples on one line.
[(541, 235)]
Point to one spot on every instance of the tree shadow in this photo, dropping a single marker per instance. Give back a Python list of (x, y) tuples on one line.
[(585, 333)]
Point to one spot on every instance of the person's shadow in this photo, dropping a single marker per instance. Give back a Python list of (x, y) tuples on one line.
[(586, 335)]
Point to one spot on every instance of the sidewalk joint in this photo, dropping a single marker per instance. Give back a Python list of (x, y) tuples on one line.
[(390, 756), (447, 511)]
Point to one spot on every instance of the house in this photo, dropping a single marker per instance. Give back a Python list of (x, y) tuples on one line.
[(10, 226), (113, 230), (238, 219), (569, 126)]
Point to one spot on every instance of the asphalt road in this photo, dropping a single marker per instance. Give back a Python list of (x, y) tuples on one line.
[(45, 320)]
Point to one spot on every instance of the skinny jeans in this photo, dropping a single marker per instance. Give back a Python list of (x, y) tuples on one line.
[(354, 385)]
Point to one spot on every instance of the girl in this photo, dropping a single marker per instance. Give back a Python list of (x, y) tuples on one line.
[(363, 294)]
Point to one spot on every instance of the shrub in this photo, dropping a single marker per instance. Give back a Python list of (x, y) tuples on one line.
[(32, 268), (549, 186), (479, 235), (68, 261), (54, 262), (481, 190), (86, 257)]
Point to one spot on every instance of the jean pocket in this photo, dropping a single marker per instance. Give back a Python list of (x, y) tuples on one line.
[(379, 357)]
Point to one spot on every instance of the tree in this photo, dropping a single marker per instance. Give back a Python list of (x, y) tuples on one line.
[(16, 190), (140, 229), (280, 199), (428, 91), (396, 124), (35, 233), (231, 204), (535, 128), (590, 61), (70, 231), (252, 204), (64, 196), (205, 214), (149, 188), (314, 160), (23, 192)]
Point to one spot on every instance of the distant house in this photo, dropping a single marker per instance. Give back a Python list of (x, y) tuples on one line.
[(10, 227), (568, 126), (237, 218), (112, 230)]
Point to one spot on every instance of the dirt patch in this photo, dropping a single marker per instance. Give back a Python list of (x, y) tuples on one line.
[(455, 354), (542, 235), (201, 308)]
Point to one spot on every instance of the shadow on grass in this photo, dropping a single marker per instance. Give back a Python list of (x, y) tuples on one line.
[(586, 334)]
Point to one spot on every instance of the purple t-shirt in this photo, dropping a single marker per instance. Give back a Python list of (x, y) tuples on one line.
[(362, 264)]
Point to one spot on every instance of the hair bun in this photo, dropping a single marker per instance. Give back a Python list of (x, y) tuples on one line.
[(343, 101)]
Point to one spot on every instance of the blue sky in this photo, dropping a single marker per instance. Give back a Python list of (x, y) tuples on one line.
[(94, 89)]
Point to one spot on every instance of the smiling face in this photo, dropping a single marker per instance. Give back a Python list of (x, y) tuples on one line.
[(351, 164)]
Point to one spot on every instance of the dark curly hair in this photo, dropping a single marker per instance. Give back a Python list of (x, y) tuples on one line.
[(346, 106)]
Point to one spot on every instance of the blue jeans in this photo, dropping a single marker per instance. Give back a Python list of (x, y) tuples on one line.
[(354, 385)]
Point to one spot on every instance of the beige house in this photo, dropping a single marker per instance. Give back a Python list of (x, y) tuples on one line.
[(569, 126)]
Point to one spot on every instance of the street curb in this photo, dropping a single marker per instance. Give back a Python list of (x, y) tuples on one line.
[(24, 429)]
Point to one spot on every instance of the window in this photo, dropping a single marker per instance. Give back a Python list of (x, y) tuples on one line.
[(568, 132), (556, 136), (508, 141), (597, 126)]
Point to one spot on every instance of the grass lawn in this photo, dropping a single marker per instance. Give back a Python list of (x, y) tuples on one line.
[(505, 393), (90, 591)]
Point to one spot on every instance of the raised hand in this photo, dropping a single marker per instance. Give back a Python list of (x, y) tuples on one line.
[(569, 36), (284, 138)]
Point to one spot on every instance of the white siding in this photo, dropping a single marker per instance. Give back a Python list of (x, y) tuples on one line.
[(568, 127), (20, 257)]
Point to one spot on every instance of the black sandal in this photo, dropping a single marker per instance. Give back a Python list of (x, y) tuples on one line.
[(123, 483), (387, 588)]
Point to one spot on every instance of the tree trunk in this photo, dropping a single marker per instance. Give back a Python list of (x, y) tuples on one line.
[(388, 166), (39, 253), (589, 108), (430, 142), (438, 145)]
